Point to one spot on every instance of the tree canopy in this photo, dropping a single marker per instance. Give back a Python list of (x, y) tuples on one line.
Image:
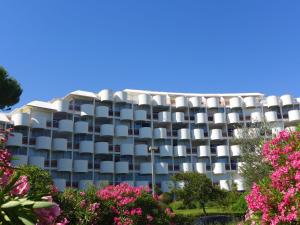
[(10, 90), (197, 187)]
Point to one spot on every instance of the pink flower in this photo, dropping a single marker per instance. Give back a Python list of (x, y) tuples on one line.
[(94, 206), (149, 218), (63, 222), (47, 216), (21, 187)]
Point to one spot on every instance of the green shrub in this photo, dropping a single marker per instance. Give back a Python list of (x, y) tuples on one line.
[(40, 180)]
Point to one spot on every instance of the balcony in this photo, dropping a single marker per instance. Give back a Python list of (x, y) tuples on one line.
[(167, 185), (235, 102), (87, 110), (160, 133), (20, 119), (219, 168), (120, 96), (129, 182), (239, 184), (216, 134), (291, 128), (225, 185), (161, 168), (159, 100), (142, 183), (195, 102), (61, 105), (140, 115), (145, 168), (166, 150), (201, 118), (141, 150), (102, 111), (277, 129), (235, 150), (60, 144), (145, 132), (38, 121), (271, 116), (203, 151), (38, 161), (81, 166), (238, 133), (126, 114), (15, 139), (294, 115), (219, 118), (122, 167), (102, 183), (233, 118), (144, 99), (181, 102), (107, 167), (81, 127), (272, 101), (106, 95), (200, 167), (256, 117), (250, 102), (286, 100), (101, 147), (65, 126), (184, 134), (164, 117), (60, 184), (222, 151), (212, 102), (86, 147), (84, 184), (198, 134), (107, 130), (64, 165), (121, 131), (126, 149), (240, 165), (19, 160), (180, 151), (186, 167), (43, 142), (178, 117)]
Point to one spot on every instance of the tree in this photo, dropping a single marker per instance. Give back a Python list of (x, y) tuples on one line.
[(10, 90), (251, 140), (40, 180), (197, 187)]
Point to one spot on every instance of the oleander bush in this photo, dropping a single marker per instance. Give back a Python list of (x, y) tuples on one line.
[(16, 206), (120, 204), (276, 198)]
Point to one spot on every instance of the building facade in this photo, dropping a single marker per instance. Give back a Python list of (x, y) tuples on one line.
[(104, 137)]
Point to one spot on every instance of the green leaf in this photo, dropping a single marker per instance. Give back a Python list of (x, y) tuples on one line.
[(42, 204), (10, 204), (26, 221), (27, 202)]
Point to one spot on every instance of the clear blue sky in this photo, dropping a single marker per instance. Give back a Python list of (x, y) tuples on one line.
[(53, 47)]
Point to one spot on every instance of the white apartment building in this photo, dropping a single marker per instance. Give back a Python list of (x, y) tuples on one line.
[(104, 137)]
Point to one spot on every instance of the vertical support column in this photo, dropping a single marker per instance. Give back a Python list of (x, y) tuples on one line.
[(93, 139), (50, 151)]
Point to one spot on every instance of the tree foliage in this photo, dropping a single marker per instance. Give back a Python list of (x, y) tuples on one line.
[(40, 180), (10, 90), (252, 138), (197, 187)]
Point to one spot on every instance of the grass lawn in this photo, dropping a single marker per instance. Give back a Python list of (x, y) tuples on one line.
[(187, 216), (198, 212)]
